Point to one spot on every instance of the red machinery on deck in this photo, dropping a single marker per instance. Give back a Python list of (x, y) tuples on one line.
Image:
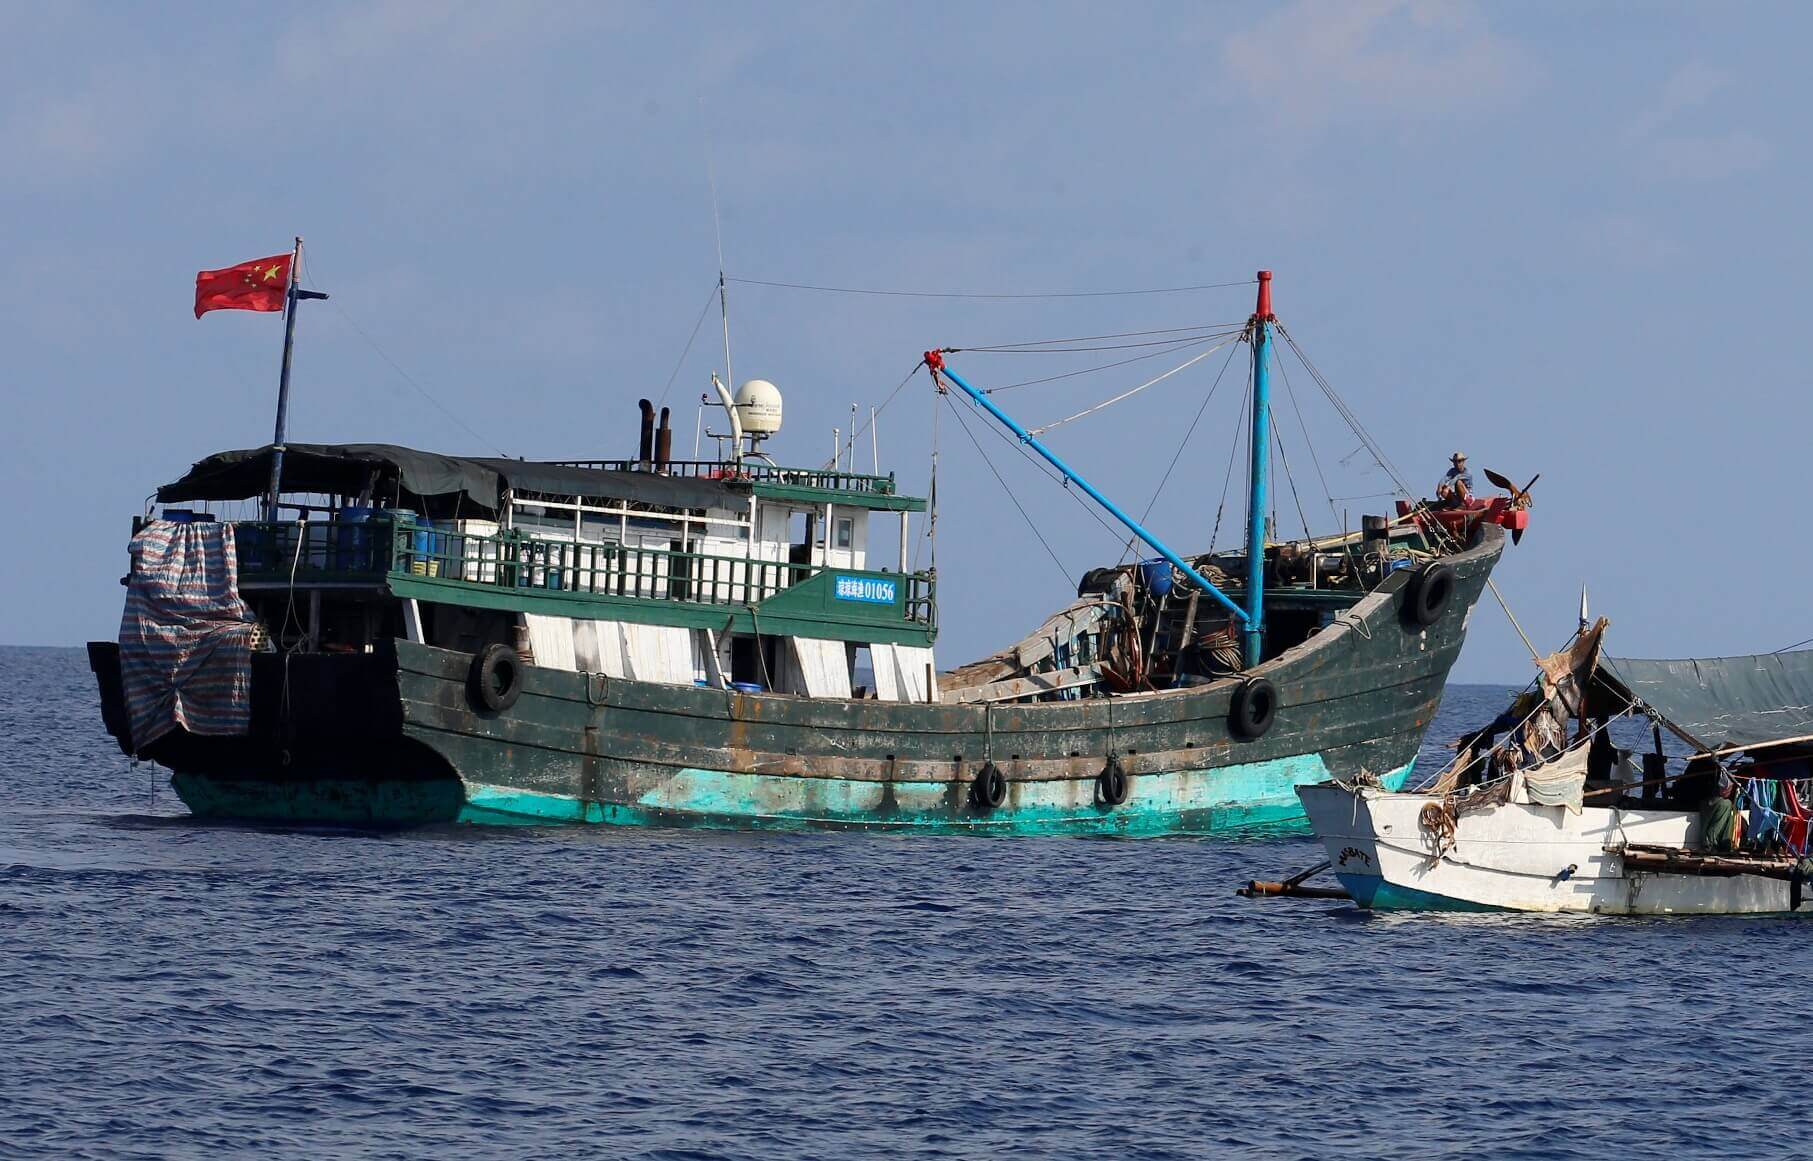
[(1460, 522), (1510, 512)]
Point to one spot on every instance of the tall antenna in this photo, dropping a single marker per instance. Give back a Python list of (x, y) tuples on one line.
[(717, 228)]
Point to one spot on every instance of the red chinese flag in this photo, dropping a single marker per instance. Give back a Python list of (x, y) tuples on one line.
[(257, 285)]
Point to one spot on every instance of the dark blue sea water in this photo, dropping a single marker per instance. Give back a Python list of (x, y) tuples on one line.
[(174, 989)]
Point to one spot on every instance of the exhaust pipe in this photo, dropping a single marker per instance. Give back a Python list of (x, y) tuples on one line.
[(664, 443), (645, 450)]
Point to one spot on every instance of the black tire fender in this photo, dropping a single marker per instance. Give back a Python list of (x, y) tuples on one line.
[(989, 790), (496, 678), (1427, 596), (1254, 708), (1112, 785)]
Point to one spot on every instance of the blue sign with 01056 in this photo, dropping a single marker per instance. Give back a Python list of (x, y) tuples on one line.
[(869, 590)]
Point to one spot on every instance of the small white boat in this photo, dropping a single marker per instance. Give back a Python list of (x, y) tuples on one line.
[(1525, 856), (1553, 819)]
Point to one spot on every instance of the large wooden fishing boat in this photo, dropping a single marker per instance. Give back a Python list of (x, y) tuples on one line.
[(406, 638)]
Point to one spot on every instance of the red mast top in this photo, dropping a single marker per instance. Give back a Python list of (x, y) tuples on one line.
[(1264, 309)]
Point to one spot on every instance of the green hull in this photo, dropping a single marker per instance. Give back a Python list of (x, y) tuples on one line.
[(397, 737)]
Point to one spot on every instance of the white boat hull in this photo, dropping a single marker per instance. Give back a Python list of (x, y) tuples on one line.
[(1519, 857)]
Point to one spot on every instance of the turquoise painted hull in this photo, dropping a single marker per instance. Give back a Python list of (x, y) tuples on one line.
[(1375, 894), (1248, 800)]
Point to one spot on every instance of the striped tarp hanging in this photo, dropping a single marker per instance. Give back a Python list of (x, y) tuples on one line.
[(186, 636)]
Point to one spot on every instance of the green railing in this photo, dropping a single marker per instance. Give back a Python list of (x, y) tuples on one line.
[(318, 550), (370, 551)]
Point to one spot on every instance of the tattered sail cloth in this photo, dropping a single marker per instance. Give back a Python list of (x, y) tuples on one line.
[(186, 636)]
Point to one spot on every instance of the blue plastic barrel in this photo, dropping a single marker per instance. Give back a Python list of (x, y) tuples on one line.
[(1157, 575), (748, 687), (353, 544)]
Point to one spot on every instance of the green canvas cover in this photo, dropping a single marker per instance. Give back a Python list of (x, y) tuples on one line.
[(1730, 703)]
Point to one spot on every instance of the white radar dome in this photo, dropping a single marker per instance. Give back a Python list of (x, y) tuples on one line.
[(759, 407)]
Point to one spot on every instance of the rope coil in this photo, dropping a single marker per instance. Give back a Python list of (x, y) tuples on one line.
[(1438, 821)]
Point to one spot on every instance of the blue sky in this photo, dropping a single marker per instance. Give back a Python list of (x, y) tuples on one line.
[(1567, 238)]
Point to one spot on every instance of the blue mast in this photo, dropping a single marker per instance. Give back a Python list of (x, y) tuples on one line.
[(935, 360), (1253, 631)]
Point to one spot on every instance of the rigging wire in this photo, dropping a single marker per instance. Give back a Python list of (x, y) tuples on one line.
[(717, 230), (1233, 454), (1346, 413), (930, 539), (1182, 444), (308, 266), (1181, 344), (1379, 457), (1200, 336), (1271, 493), (964, 424), (1334, 515), (1291, 394), (690, 339), (856, 432), (1289, 478), (989, 296), (1044, 470), (1134, 391), (1014, 348)]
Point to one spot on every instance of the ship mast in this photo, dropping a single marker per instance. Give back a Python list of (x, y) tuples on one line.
[(283, 383), (1252, 637), (292, 294)]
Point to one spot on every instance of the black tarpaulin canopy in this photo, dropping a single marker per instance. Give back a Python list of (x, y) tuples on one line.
[(344, 468), (431, 482), (1725, 703)]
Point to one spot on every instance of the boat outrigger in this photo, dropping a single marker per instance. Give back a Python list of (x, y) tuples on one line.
[(408, 638)]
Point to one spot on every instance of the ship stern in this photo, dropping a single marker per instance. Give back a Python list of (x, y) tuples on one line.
[(324, 745)]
